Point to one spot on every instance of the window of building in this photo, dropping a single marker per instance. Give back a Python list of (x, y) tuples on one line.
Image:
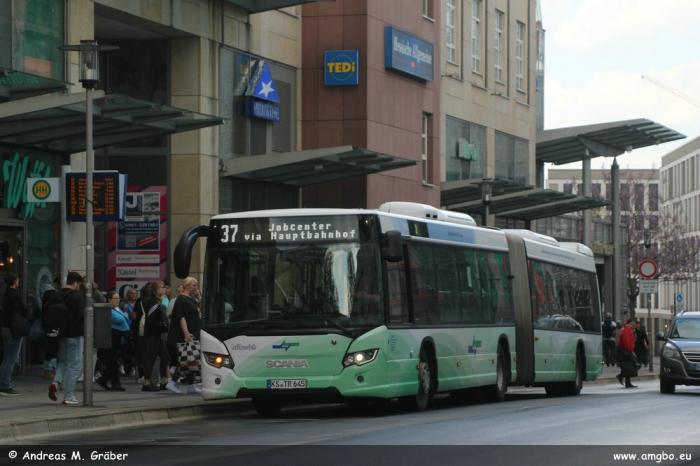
[(653, 197), (639, 197), (511, 158), (519, 57), (466, 149), (625, 197), (450, 31), (568, 188), (428, 8), (498, 46), (595, 190), (424, 155), (31, 33), (476, 36)]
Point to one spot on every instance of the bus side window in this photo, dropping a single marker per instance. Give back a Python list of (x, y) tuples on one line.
[(398, 296)]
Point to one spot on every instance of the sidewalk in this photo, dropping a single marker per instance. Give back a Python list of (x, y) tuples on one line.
[(33, 414)]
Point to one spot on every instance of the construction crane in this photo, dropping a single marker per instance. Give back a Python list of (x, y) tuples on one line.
[(670, 89)]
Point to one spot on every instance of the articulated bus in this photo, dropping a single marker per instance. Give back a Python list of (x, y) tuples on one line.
[(406, 301)]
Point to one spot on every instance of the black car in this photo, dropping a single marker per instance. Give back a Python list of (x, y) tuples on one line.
[(680, 355)]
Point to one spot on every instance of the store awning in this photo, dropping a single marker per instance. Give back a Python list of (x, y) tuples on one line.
[(257, 6), (565, 145), (513, 200), (57, 123), (16, 85), (308, 167)]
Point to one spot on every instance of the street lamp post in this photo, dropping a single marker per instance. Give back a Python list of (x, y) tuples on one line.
[(486, 185), (89, 77), (647, 245)]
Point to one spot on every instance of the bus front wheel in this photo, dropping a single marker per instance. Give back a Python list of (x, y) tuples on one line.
[(266, 406), (426, 387)]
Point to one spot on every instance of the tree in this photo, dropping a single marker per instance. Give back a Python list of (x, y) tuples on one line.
[(673, 248)]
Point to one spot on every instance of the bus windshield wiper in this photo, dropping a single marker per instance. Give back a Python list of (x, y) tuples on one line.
[(346, 331)]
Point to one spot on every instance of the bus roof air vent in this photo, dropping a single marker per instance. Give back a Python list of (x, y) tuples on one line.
[(413, 209), (577, 247), (532, 236)]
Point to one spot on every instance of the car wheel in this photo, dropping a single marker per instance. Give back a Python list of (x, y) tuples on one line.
[(667, 387)]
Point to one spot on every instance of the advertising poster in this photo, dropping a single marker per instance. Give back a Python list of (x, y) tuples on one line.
[(138, 245)]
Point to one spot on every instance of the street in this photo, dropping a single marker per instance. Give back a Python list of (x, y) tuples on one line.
[(605, 415)]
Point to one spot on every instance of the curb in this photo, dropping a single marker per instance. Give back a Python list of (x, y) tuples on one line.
[(17, 431)]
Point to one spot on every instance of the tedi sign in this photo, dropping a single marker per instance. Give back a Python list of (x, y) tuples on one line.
[(409, 54)]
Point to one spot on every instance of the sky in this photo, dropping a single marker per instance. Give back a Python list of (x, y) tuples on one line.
[(596, 52)]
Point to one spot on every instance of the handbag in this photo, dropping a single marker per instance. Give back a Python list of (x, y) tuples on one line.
[(188, 357), (19, 326), (629, 366)]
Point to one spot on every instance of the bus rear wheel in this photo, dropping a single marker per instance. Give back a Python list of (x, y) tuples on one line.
[(498, 391), (266, 406)]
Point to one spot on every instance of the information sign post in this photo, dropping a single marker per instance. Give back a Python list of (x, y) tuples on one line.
[(648, 270)]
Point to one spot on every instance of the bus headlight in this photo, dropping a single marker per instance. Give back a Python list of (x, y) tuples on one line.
[(360, 357), (218, 360), (671, 352)]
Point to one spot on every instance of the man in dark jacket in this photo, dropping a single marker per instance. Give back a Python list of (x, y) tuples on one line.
[(70, 342), (12, 303), (50, 344)]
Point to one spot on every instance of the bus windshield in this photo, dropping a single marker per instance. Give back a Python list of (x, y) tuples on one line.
[(288, 287)]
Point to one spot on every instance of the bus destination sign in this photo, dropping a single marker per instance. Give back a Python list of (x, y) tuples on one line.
[(287, 229)]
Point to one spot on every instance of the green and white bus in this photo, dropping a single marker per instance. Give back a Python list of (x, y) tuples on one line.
[(405, 301)]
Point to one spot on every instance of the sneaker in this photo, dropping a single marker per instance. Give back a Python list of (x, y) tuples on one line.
[(102, 384), (8, 391), (139, 380), (193, 389), (149, 388), (182, 381), (53, 388), (172, 386), (121, 370), (70, 401)]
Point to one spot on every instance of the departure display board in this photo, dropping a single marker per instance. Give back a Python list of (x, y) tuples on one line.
[(109, 196)]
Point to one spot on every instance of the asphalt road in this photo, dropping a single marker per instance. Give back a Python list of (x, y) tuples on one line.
[(528, 428)]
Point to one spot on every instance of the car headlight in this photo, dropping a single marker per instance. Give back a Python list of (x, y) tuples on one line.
[(360, 358), (218, 360), (671, 352)]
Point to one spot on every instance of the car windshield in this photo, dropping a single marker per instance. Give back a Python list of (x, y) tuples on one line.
[(293, 287), (687, 328)]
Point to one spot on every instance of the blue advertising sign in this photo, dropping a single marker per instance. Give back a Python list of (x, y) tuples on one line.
[(342, 67), (409, 54), (262, 110), (262, 85)]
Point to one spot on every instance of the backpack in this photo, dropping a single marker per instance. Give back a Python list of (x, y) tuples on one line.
[(608, 329), (55, 318)]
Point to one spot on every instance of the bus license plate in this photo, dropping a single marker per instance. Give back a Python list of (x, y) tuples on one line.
[(285, 384)]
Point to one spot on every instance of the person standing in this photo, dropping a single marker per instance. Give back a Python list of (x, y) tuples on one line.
[(627, 342), (185, 326), (148, 310), (70, 342), (12, 304), (641, 347), (166, 296), (50, 344), (121, 334), (609, 345)]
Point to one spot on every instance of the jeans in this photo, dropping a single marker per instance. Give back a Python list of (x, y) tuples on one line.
[(70, 363), (609, 350), (10, 347)]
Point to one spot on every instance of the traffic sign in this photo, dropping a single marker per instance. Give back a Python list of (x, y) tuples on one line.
[(648, 269), (648, 286), (679, 298)]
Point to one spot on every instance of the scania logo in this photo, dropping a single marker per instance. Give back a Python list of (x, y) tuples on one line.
[(286, 363)]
